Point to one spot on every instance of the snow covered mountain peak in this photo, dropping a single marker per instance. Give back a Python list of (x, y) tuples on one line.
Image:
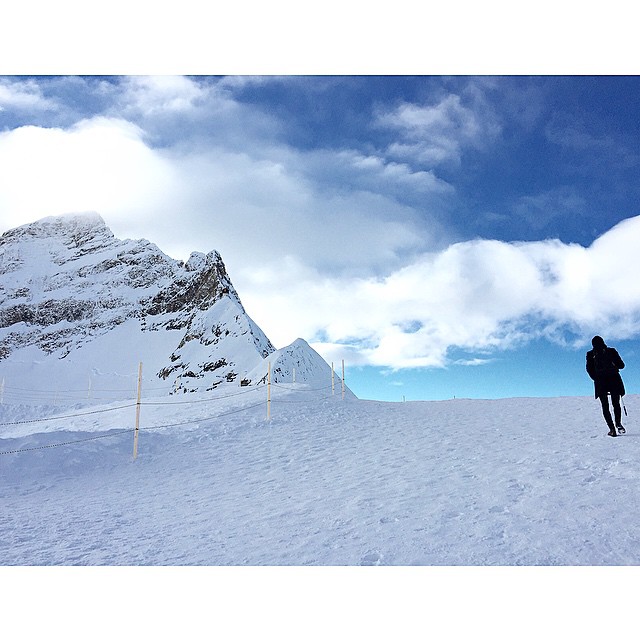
[(77, 302), (78, 233), (89, 223)]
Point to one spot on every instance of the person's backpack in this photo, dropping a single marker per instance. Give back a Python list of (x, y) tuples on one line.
[(603, 361)]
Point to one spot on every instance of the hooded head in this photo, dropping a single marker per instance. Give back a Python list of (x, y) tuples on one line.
[(598, 342)]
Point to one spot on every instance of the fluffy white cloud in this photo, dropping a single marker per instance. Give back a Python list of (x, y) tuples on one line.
[(22, 95), (156, 94), (438, 133), (480, 296), (335, 211), (286, 206), (100, 164)]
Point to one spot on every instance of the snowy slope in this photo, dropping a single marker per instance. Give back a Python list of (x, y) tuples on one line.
[(326, 481)]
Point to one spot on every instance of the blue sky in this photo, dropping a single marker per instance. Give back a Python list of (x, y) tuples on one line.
[(460, 235)]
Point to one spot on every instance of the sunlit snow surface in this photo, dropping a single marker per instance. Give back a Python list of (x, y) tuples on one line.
[(326, 481)]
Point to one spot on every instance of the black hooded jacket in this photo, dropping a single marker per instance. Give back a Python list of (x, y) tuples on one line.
[(603, 366)]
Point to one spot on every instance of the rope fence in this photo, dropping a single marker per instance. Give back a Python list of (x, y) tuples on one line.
[(193, 421), (66, 417), (68, 443)]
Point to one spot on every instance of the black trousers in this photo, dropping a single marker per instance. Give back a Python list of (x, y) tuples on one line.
[(617, 410)]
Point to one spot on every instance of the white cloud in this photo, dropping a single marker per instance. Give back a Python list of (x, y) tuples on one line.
[(373, 172), (23, 95), (438, 133), (156, 94), (480, 296), (259, 210), (99, 164), (229, 184), (265, 201)]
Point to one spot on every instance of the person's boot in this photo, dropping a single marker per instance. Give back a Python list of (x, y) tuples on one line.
[(617, 414), (612, 432)]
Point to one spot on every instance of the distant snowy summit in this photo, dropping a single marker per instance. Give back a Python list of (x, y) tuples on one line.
[(80, 308)]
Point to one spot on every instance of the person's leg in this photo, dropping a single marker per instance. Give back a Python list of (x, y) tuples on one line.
[(617, 412), (606, 412)]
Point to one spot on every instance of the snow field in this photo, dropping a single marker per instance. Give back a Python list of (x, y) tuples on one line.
[(326, 482)]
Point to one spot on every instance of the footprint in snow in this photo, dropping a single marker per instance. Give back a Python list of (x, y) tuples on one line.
[(371, 559)]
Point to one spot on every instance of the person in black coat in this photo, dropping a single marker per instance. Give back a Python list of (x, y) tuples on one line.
[(603, 366)]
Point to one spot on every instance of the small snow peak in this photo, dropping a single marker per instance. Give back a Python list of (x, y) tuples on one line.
[(297, 363), (214, 258), (71, 221), (80, 227), (196, 261)]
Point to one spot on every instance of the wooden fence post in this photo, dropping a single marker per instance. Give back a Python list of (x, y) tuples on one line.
[(269, 393), (135, 435), (333, 381)]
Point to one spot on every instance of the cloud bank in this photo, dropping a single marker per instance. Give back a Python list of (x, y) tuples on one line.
[(479, 296)]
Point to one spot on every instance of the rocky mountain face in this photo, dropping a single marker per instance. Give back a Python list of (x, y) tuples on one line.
[(75, 296)]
